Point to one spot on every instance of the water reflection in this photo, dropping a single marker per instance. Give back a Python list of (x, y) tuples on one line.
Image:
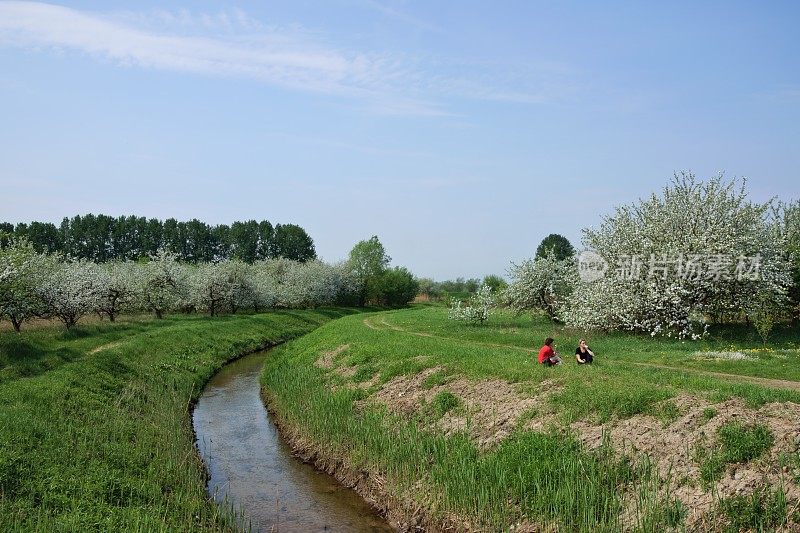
[(253, 467)]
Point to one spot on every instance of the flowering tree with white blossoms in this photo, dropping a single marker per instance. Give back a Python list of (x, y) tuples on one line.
[(119, 286), (265, 287), (789, 218), (477, 309), (21, 269), (544, 283), (164, 283), (71, 290), (698, 251), (209, 287), (312, 284), (239, 276)]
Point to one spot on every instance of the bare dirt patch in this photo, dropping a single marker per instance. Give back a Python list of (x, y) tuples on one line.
[(673, 447), (492, 408), (103, 347), (327, 359)]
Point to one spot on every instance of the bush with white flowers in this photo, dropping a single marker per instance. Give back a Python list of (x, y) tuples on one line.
[(477, 309)]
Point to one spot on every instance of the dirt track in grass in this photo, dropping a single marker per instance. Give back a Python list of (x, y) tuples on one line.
[(766, 382)]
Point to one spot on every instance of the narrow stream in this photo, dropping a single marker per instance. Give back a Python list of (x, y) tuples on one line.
[(254, 468)]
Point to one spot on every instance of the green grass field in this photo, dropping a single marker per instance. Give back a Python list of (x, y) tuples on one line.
[(94, 427), (403, 395), (453, 419)]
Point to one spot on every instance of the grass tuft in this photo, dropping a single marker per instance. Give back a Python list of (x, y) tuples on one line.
[(764, 510), (444, 402), (737, 444)]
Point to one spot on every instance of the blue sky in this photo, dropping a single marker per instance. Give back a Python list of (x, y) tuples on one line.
[(461, 133)]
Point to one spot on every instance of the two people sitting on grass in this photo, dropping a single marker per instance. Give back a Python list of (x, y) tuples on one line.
[(548, 356), (583, 354)]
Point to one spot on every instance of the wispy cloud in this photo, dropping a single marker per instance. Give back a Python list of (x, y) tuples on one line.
[(397, 14), (233, 44)]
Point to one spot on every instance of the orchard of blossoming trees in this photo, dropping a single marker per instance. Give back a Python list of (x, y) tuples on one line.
[(33, 284), (699, 253)]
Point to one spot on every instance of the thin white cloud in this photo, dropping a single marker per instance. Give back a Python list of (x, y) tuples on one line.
[(231, 43), (402, 16)]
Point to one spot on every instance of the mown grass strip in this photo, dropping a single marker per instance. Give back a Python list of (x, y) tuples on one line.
[(103, 440)]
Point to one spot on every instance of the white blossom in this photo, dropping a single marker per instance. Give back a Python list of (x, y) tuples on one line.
[(163, 283), (691, 218), (209, 287), (544, 283), (118, 287), (71, 290), (21, 270), (477, 309)]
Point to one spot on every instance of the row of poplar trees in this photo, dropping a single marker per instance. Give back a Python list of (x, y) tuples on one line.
[(103, 238)]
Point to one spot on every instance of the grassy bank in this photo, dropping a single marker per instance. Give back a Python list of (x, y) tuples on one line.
[(94, 426), (458, 421)]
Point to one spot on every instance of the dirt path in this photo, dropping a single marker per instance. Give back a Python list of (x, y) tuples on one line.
[(106, 346), (765, 382), (384, 325)]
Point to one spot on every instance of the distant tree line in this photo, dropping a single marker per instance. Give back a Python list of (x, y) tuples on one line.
[(102, 238), (459, 287)]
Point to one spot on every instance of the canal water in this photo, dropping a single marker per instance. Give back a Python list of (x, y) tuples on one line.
[(253, 469)]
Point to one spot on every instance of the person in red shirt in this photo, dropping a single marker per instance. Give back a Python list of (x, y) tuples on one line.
[(547, 356)]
